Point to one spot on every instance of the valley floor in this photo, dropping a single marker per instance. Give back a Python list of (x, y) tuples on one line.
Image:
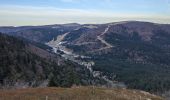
[(76, 93)]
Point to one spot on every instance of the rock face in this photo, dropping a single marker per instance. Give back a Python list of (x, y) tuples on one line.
[(77, 93)]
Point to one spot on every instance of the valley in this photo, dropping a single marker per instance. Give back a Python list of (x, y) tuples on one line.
[(131, 55), (85, 50), (81, 59)]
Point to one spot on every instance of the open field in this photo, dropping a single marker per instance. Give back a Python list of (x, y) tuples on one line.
[(75, 93)]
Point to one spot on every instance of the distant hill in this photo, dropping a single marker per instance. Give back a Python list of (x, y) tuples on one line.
[(40, 34), (76, 93)]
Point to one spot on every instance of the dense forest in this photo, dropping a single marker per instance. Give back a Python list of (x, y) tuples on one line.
[(139, 64)]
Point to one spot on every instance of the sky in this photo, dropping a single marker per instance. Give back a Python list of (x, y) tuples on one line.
[(44, 12)]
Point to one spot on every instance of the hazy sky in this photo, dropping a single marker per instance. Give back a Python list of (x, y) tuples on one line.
[(40, 12)]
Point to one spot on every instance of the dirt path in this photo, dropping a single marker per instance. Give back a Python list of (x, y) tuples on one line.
[(108, 45)]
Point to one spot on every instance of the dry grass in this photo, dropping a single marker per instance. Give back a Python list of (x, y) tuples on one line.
[(76, 93)]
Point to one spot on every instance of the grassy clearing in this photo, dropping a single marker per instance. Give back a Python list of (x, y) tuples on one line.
[(75, 93)]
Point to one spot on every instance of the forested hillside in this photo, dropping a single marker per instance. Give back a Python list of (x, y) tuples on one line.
[(25, 65)]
